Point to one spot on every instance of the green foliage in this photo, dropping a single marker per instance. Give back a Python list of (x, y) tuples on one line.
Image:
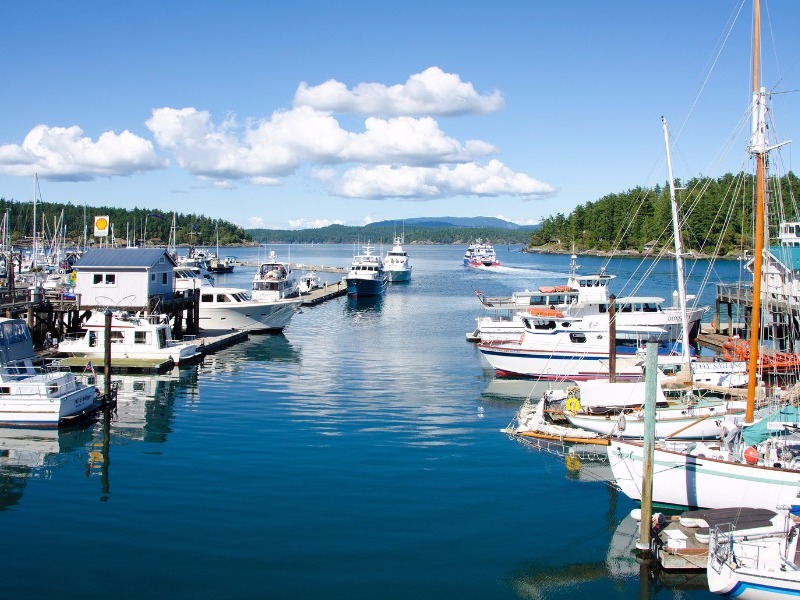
[(341, 234), (153, 224), (715, 213)]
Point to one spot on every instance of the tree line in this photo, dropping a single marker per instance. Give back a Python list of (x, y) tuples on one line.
[(716, 217), (343, 234), (137, 224)]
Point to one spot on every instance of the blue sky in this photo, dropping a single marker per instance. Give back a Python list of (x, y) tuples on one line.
[(290, 115)]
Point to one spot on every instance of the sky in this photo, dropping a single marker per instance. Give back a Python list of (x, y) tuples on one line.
[(292, 115)]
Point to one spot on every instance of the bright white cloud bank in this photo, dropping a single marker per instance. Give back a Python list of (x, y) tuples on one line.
[(63, 153), (401, 151), (432, 92)]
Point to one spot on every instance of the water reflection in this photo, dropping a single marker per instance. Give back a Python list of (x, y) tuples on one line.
[(258, 349), (34, 454), (363, 307)]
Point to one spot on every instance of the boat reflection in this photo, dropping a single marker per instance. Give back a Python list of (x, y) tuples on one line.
[(363, 305), (260, 349), (35, 454)]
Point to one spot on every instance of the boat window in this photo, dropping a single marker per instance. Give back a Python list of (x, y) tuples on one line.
[(650, 307), (603, 308), (162, 338), (537, 324), (223, 298), (207, 298), (139, 337), (577, 338), (117, 337), (626, 308), (5, 390)]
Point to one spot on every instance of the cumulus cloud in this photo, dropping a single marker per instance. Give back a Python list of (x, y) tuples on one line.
[(425, 183), (313, 223), (432, 92), (65, 154)]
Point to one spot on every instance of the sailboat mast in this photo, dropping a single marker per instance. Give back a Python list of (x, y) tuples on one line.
[(758, 147), (678, 251)]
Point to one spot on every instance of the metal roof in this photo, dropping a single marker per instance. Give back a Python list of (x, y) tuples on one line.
[(123, 257)]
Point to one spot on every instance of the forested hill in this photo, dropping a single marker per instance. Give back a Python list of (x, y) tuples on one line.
[(342, 234), (154, 224), (716, 217)]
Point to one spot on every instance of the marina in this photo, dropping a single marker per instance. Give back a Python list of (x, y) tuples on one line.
[(293, 453)]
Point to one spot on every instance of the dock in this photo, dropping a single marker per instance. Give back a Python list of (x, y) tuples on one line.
[(326, 292)]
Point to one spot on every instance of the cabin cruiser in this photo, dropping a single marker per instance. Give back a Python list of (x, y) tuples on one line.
[(367, 276), (34, 393), (274, 281), (396, 263), (132, 336)]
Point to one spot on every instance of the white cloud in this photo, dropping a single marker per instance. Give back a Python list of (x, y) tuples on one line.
[(313, 223), (255, 223), (518, 221), (432, 92), (63, 153), (425, 183)]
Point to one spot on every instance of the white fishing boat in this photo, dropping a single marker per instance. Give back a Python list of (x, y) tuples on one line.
[(367, 276), (757, 465), (480, 254), (754, 563), (132, 336), (396, 263), (274, 281), (36, 393), (580, 296)]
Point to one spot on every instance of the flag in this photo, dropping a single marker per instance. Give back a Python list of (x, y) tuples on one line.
[(101, 226), (90, 368)]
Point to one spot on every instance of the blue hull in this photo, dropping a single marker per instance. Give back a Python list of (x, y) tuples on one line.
[(366, 287)]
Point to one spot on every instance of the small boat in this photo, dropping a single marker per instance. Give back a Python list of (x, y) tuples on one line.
[(132, 336), (753, 562), (308, 282), (480, 254), (36, 393), (396, 263), (367, 276), (274, 281)]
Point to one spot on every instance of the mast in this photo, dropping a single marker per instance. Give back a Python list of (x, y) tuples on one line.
[(678, 252), (33, 241)]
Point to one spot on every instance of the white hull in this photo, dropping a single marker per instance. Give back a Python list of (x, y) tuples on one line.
[(558, 365), (398, 275), (248, 316), (669, 423), (752, 584), (695, 480), (31, 406)]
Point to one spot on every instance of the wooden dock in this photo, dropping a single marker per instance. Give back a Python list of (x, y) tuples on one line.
[(326, 292)]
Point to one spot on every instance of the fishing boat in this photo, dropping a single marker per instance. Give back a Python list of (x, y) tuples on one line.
[(35, 393), (757, 464), (274, 281), (133, 336), (225, 308), (367, 276), (580, 296), (480, 254), (396, 263), (754, 562)]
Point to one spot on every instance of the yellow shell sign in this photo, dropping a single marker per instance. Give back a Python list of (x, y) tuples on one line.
[(101, 226)]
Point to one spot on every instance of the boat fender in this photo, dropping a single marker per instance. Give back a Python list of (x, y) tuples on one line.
[(751, 455), (572, 404)]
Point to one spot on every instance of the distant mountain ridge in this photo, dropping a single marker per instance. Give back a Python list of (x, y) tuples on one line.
[(454, 222)]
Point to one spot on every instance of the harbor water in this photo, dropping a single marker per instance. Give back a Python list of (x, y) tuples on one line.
[(358, 455)]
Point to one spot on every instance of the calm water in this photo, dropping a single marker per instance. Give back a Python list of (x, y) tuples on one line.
[(357, 456)]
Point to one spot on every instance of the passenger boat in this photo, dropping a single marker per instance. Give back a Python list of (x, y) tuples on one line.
[(132, 336), (367, 276), (396, 263), (480, 254), (35, 393), (225, 308), (274, 281)]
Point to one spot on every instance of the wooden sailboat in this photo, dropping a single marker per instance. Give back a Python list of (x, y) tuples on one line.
[(755, 466)]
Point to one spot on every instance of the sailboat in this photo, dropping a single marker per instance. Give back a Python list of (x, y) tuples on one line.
[(758, 464)]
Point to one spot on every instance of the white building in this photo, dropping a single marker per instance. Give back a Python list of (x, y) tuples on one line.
[(133, 279)]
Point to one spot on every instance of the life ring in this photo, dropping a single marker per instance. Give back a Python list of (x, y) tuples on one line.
[(573, 463), (572, 405), (545, 312)]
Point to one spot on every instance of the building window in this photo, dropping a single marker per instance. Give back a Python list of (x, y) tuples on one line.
[(164, 278), (153, 277), (97, 279), (104, 279), (111, 279)]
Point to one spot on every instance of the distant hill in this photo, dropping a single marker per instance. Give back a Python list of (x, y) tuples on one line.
[(454, 222)]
